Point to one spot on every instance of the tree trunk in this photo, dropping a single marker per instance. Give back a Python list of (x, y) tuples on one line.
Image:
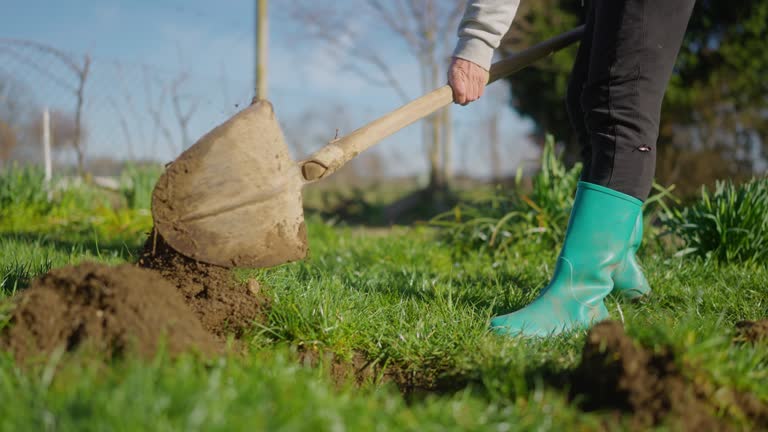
[(436, 180), (493, 146), (447, 114), (77, 141)]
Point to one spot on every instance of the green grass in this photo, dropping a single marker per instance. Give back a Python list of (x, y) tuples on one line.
[(729, 224), (404, 299), (257, 393)]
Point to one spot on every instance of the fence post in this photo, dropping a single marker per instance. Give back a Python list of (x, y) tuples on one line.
[(47, 150), (261, 49)]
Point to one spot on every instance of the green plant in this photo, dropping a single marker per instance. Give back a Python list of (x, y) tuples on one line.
[(396, 300), (540, 214), (137, 184), (728, 225), (23, 186), (16, 274), (549, 203)]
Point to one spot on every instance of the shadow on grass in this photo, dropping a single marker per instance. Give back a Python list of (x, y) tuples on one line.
[(511, 291), (418, 206), (80, 244), (25, 256)]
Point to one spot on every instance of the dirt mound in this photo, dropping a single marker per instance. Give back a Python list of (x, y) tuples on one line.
[(342, 370), (413, 383), (617, 373), (110, 309), (222, 305), (752, 331)]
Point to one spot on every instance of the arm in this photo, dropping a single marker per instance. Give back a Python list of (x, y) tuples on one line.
[(484, 24)]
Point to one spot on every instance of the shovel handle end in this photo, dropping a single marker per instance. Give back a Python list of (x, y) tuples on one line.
[(313, 170)]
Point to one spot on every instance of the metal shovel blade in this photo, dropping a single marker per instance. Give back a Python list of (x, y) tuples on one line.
[(234, 198)]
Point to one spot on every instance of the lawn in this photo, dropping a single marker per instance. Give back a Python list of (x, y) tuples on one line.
[(405, 302)]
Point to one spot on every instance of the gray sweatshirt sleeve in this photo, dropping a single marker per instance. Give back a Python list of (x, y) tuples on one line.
[(484, 23)]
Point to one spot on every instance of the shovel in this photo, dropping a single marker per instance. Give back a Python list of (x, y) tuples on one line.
[(234, 199)]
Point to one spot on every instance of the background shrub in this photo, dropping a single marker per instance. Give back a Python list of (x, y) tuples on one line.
[(539, 214), (728, 225), (23, 186)]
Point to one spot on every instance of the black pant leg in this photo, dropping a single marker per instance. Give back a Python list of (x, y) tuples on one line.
[(634, 47), (576, 82)]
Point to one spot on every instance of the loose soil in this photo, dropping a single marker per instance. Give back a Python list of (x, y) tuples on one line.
[(752, 331), (617, 373), (413, 384), (187, 304), (112, 310), (222, 305)]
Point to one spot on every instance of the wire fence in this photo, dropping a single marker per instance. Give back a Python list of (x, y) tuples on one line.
[(103, 112), (105, 109)]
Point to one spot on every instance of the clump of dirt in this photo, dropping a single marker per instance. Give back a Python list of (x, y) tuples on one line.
[(342, 370), (617, 373), (112, 310), (222, 305), (752, 331), (360, 369)]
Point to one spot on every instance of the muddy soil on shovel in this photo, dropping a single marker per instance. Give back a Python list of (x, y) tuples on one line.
[(223, 305), (617, 373), (112, 310)]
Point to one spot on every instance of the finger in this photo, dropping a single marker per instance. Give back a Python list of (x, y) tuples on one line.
[(475, 90), (459, 91), (481, 88), (467, 93)]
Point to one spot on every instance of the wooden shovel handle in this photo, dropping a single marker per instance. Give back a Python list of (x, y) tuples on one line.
[(338, 152)]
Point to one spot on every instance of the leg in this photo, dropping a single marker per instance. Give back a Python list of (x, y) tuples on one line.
[(634, 47), (576, 83), (629, 281)]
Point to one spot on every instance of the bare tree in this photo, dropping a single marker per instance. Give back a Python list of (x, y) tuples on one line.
[(65, 131), (80, 68), (168, 98), (77, 141), (127, 112), (155, 106), (184, 107), (126, 130), (8, 141), (425, 27), (13, 113)]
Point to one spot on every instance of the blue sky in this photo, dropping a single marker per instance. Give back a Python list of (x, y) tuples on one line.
[(140, 41)]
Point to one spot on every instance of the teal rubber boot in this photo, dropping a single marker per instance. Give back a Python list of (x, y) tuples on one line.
[(596, 243), (629, 280)]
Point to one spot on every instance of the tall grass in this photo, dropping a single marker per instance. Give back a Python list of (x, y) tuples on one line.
[(23, 186), (29, 206), (537, 215), (15, 275), (548, 205), (137, 184), (727, 225)]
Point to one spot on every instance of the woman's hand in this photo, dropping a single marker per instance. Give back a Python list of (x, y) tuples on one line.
[(467, 80)]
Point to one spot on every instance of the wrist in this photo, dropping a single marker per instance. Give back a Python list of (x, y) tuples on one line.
[(474, 50)]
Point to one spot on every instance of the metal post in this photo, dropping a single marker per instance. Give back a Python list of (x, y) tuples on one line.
[(261, 49)]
